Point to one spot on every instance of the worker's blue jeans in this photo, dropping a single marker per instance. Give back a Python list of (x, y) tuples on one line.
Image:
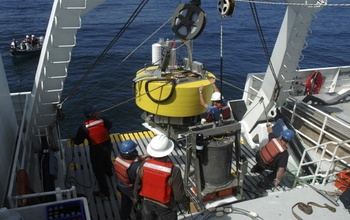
[(153, 211)]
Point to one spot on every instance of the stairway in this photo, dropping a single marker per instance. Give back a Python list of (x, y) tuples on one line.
[(65, 21)]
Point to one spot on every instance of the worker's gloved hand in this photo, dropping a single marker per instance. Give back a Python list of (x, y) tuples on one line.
[(276, 182)]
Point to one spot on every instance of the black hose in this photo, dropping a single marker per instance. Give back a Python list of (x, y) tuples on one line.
[(173, 84)]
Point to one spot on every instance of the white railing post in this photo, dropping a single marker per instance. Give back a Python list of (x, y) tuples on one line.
[(58, 194)]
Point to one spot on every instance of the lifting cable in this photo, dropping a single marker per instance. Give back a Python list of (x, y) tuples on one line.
[(125, 59), (146, 93), (240, 89), (221, 33), (120, 33), (263, 42)]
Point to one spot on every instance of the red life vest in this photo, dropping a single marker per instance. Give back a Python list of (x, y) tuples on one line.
[(155, 180), (98, 133), (224, 111), (121, 167), (271, 149)]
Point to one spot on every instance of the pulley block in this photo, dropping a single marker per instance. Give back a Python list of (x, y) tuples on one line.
[(226, 7), (188, 21)]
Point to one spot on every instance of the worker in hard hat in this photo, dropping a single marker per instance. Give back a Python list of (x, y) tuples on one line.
[(34, 41), (27, 39), (159, 182), (125, 166), (218, 108), (14, 44), (273, 156), (96, 130)]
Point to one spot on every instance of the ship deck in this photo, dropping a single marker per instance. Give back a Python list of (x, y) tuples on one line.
[(80, 174)]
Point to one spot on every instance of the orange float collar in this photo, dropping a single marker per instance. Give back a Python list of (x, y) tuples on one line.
[(271, 149), (343, 180), (98, 133), (155, 180)]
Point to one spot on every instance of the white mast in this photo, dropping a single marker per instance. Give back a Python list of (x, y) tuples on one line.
[(285, 58)]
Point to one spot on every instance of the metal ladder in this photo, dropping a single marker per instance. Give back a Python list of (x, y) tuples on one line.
[(60, 38)]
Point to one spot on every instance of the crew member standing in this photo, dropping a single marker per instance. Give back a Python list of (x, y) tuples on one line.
[(273, 156), (159, 182), (96, 131), (125, 166)]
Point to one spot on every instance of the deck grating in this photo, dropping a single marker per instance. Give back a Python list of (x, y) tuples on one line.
[(80, 172)]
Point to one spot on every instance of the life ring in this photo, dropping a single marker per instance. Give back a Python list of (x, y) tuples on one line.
[(24, 186), (313, 83)]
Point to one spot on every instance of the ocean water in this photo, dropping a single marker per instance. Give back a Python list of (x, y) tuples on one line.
[(109, 85)]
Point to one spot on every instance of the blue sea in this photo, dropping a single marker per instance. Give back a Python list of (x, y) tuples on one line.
[(110, 83)]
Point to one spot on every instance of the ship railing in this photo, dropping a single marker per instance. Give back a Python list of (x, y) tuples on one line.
[(319, 127), (25, 159), (335, 78), (60, 194), (326, 162), (23, 150), (325, 139)]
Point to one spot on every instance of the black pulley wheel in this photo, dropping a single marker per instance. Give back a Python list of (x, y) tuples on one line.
[(188, 21), (226, 7)]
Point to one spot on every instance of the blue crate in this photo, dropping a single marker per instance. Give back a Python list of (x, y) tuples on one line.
[(72, 210)]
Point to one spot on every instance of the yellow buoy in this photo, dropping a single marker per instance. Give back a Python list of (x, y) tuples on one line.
[(172, 95)]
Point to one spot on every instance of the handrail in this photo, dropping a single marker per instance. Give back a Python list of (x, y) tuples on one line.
[(327, 119), (20, 146), (324, 157), (23, 159), (70, 193)]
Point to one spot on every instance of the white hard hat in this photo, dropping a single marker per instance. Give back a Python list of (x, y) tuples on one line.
[(33, 35), (160, 146), (27, 36), (216, 96)]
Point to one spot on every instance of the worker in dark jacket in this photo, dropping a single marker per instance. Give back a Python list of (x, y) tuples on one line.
[(218, 108), (273, 156), (125, 166), (96, 131), (159, 183)]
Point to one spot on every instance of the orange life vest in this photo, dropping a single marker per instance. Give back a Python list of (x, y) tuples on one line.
[(98, 133), (271, 149), (225, 111), (155, 180), (121, 167)]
